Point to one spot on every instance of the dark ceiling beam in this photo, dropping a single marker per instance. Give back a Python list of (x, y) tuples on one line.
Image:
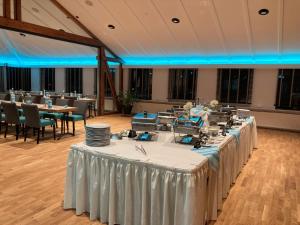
[(42, 31), (6, 9), (83, 27), (17, 10)]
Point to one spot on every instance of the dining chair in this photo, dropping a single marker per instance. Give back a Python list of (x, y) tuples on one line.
[(12, 117), (56, 115), (33, 120), (78, 114), (71, 100), (2, 118)]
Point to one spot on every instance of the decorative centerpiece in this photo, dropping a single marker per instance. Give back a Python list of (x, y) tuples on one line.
[(187, 109), (97, 135), (214, 104)]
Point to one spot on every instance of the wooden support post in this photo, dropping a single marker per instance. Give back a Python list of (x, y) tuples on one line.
[(111, 85), (101, 79), (17, 10), (6, 9), (121, 78)]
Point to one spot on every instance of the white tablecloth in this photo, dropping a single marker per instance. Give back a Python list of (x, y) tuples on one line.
[(119, 185), (168, 186)]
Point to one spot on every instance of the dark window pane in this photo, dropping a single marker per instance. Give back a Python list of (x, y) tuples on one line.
[(243, 86), (182, 83), (18, 78), (286, 82), (234, 82), (140, 83), (74, 80), (48, 79), (234, 85), (224, 84)]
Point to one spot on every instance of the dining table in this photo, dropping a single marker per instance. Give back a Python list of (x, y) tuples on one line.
[(54, 109)]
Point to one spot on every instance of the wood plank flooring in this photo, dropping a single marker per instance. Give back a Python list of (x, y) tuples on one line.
[(32, 180)]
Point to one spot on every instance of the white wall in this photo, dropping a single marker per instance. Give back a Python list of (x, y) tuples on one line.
[(35, 79), (88, 81), (207, 84), (264, 88), (60, 80), (263, 96), (160, 79)]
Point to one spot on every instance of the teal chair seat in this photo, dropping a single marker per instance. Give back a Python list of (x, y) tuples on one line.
[(46, 122), (22, 119), (54, 115), (75, 117), (42, 113)]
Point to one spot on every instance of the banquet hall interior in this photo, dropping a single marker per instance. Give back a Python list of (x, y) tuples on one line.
[(150, 112)]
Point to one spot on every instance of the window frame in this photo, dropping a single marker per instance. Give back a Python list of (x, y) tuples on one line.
[(147, 73), (176, 72), (74, 80), (248, 97), (47, 74)]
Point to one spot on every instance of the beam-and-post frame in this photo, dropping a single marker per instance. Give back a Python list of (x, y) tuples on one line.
[(121, 79), (6, 9), (101, 80), (17, 10), (84, 28)]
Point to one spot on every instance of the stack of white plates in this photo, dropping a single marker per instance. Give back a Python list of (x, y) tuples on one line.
[(97, 135)]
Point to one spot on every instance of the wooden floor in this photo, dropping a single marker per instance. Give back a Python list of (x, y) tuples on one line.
[(32, 180)]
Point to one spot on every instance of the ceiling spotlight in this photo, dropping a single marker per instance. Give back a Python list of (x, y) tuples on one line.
[(175, 20), (22, 34), (110, 26), (89, 3), (263, 12)]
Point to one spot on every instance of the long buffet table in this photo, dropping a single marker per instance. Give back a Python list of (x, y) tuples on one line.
[(172, 184)]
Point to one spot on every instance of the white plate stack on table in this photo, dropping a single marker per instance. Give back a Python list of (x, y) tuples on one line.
[(97, 135)]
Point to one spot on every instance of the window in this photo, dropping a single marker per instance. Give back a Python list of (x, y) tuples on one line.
[(2, 79), (288, 89), (182, 83), (74, 80), (235, 85), (107, 87), (47, 79), (18, 78), (140, 82)]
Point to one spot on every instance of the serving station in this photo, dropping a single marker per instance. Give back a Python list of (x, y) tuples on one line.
[(178, 174)]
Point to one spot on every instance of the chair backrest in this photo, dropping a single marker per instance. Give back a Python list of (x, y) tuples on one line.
[(11, 112), (19, 98), (62, 102), (5, 96), (81, 106), (31, 113)]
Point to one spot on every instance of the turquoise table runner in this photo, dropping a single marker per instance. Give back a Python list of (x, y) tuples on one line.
[(236, 133), (212, 153)]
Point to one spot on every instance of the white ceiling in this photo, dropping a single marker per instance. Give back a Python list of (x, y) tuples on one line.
[(210, 31)]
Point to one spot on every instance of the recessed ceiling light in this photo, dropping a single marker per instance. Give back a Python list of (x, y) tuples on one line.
[(22, 34), (89, 3), (175, 20), (35, 10), (263, 12), (110, 26)]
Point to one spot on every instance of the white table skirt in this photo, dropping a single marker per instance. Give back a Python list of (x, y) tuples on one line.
[(120, 191), (125, 192), (233, 155)]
